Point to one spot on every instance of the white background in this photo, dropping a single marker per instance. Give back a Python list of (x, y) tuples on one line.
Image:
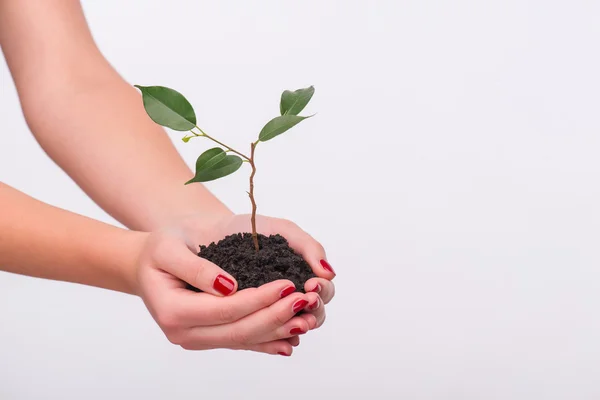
[(452, 174)]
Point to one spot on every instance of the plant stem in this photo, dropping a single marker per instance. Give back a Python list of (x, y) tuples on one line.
[(222, 144), (251, 194)]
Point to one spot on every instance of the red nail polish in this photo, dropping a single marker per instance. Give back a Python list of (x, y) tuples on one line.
[(287, 291), (299, 305), (317, 289), (296, 331), (223, 285), (314, 305), (281, 353), (327, 267)]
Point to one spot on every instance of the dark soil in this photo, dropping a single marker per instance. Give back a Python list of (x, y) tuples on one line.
[(275, 260)]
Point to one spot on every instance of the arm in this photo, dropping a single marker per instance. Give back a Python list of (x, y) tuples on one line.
[(91, 122), (39, 240), (93, 125)]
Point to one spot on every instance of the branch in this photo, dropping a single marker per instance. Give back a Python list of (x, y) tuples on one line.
[(222, 144)]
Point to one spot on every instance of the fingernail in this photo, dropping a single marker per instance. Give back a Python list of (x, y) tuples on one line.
[(327, 267), (223, 285), (287, 291), (281, 353), (296, 331), (299, 305), (317, 289), (314, 305)]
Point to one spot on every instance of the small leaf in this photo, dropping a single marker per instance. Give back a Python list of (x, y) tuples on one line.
[(292, 103), (214, 164), (278, 125), (186, 138), (168, 107)]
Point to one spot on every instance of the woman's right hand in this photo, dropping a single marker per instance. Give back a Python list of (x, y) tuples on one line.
[(259, 319)]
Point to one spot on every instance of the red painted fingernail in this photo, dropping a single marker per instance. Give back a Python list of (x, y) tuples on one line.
[(299, 305), (296, 331), (314, 305), (317, 289), (281, 353), (287, 291), (327, 266), (223, 285)]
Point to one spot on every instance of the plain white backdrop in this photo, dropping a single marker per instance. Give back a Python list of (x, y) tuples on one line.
[(452, 174)]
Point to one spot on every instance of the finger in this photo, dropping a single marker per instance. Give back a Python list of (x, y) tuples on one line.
[(279, 347), (254, 328), (313, 310), (315, 318), (325, 288), (294, 341), (310, 249), (314, 302), (294, 327), (202, 309), (177, 259)]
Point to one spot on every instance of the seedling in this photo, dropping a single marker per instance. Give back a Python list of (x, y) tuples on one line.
[(169, 108)]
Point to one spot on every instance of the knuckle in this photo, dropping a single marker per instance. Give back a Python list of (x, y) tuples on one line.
[(282, 333), (280, 318), (226, 314), (266, 298), (199, 269), (267, 301)]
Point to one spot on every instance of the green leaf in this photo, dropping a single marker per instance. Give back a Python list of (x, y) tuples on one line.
[(168, 107), (278, 125), (186, 138), (214, 164), (292, 103)]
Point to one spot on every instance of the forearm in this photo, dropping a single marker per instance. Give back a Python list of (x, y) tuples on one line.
[(39, 240), (122, 160), (91, 122)]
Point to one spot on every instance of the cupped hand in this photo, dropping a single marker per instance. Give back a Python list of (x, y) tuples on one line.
[(260, 319), (303, 243)]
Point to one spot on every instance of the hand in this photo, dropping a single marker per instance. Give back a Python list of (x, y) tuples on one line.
[(256, 319), (311, 250)]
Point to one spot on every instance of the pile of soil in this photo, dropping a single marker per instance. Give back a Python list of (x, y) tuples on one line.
[(275, 260)]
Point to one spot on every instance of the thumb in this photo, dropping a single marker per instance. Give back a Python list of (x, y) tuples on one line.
[(199, 272)]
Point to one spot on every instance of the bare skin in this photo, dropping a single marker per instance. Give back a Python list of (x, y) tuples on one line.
[(93, 125)]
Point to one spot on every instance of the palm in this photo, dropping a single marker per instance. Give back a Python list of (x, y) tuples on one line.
[(194, 231)]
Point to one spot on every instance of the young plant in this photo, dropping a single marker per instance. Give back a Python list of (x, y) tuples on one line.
[(171, 109)]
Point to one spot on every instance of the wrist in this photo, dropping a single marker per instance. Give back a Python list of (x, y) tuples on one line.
[(131, 245), (182, 202)]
